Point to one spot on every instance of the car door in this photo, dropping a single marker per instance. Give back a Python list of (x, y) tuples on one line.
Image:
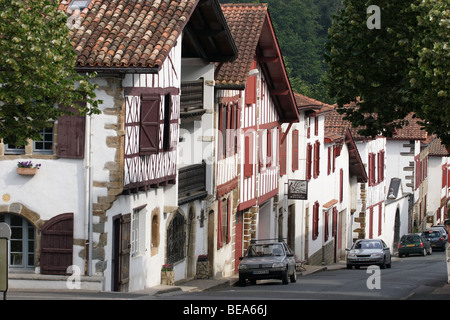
[(290, 259), (387, 252)]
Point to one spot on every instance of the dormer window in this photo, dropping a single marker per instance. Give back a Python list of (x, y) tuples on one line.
[(79, 4)]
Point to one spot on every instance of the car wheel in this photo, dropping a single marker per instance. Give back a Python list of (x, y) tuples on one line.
[(241, 282), (424, 253), (388, 265), (285, 277), (431, 251), (293, 277), (383, 265)]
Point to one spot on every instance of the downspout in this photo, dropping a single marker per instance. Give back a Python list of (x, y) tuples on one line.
[(88, 194)]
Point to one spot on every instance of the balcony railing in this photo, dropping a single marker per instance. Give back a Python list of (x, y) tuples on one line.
[(191, 183), (191, 100)]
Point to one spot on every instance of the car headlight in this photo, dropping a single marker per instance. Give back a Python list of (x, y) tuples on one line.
[(376, 255), (278, 265), (243, 266), (351, 255)]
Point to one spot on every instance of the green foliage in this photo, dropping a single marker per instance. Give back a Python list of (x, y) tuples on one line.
[(378, 76), (301, 27), (37, 70)]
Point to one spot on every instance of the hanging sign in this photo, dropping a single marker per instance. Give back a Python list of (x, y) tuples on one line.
[(297, 189)]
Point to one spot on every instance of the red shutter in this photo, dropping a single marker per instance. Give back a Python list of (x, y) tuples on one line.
[(326, 226), (315, 232), (149, 130), (371, 223), (251, 86), (371, 169), (341, 185), (444, 176), (57, 244), (283, 157), (294, 150), (329, 161), (248, 155), (335, 215), (308, 161), (219, 225), (269, 148), (316, 126), (71, 136), (229, 220), (380, 219), (316, 159)]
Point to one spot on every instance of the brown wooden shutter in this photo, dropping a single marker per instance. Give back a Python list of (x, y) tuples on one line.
[(219, 225), (57, 244), (308, 161), (71, 135), (124, 253), (315, 231), (149, 127)]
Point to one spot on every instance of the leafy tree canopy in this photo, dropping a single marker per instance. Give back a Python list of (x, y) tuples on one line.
[(378, 76), (37, 70)]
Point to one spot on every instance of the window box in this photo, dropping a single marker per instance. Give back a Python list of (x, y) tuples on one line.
[(27, 171)]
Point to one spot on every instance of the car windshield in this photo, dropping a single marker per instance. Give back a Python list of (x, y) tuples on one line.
[(431, 234), (263, 250), (367, 245), (410, 239)]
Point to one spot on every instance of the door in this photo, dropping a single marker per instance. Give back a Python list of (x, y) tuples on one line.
[(57, 244), (121, 252), (238, 239)]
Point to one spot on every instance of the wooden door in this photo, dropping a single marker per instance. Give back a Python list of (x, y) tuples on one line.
[(121, 252), (57, 244), (238, 240)]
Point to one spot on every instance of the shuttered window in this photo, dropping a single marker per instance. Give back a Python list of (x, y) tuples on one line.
[(149, 126), (71, 135), (316, 159)]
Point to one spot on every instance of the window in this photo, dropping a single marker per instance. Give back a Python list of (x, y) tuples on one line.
[(176, 238), (372, 178), (167, 116), (316, 159), (135, 233), (79, 4), (22, 242), (13, 149), (155, 234), (149, 125), (380, 166), (46, 144)]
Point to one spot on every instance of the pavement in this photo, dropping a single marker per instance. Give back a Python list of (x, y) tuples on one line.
[(200, 285)]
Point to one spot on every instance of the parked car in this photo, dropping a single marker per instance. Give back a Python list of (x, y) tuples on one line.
[(442, 230), (440, 226), (267, 260), (414, 243), (436, 238), (366, 252)]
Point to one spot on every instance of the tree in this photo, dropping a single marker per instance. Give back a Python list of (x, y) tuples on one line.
[(37, 70), (378, 76)]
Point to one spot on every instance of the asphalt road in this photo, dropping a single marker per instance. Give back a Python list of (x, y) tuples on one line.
[(410, 278), (414, 277)]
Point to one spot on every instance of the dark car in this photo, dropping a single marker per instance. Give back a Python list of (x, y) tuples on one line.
[(414, 243), (366, 252), (436, 239), (267, 260)]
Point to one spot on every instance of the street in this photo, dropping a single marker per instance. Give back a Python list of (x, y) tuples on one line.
[(413, 277)]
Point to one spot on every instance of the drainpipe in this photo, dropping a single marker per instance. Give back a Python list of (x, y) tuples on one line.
[(88, 194)]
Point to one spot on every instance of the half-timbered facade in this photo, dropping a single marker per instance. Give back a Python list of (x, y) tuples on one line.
[(253, 99), (111, 180)]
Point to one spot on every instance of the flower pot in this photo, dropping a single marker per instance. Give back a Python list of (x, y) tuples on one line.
[(168, 278), (27, 171)]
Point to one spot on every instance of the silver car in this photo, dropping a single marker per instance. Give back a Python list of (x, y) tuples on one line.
[(368, 252), (267, 260)]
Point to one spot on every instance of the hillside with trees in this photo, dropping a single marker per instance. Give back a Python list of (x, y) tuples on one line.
[(302, 28)]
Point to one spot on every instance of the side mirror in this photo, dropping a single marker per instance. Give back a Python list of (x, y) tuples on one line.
[(241, 258), (347, 249)]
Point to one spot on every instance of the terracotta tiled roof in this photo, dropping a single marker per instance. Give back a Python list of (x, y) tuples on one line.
[(306, 103), (437, 149), (245, 22), (127, 33), (334, 122)]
